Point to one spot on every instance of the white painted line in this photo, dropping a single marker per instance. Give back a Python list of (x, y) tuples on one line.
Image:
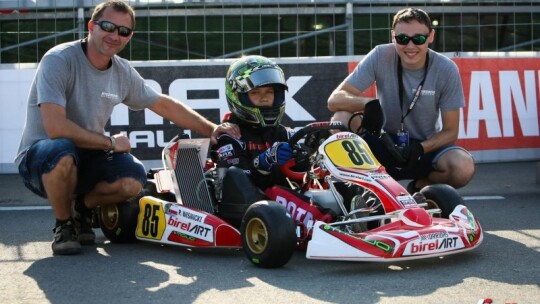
[(25, 208), (476, 198)]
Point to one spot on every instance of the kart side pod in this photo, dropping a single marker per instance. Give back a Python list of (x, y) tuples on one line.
[(171, 223)]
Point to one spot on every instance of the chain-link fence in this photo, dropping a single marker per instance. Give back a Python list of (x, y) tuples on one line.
[(196, 29)]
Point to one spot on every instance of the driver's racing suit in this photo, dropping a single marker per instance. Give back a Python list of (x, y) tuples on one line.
[(242, 152)]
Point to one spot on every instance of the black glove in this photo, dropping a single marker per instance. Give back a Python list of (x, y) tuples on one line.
[(373, 118), (391, 146), (406, 157), (412, 153)]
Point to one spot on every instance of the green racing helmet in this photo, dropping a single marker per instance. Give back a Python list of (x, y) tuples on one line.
[(248, 73)]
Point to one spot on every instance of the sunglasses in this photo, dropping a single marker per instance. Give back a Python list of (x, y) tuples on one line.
[(110, 27), (417, 39)]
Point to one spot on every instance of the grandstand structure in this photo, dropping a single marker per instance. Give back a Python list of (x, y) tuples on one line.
[(214, 29)]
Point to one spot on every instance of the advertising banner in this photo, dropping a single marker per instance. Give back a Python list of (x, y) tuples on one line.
[(499, 122), (502, 110)]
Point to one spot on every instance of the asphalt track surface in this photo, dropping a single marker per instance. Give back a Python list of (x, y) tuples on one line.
[(505, 268)]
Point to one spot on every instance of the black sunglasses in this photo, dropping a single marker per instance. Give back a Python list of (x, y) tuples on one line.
[(417, 39), (110, 27)]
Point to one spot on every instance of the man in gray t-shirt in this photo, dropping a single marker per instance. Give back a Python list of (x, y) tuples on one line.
[(64, 154), (420, 95)]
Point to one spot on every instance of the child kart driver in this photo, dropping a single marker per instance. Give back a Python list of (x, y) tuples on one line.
[(255, 89)]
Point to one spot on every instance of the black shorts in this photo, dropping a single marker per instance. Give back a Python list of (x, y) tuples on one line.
[(424, 165)]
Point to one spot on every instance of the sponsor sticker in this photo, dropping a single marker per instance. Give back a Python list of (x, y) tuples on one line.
[(406, 201), (436, 245), (191, 224)]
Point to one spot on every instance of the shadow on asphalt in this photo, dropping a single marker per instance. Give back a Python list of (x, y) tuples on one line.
[(151, 273)]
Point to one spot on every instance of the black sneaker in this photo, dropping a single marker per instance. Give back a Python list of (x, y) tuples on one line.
[(65, 240), (82, 216)]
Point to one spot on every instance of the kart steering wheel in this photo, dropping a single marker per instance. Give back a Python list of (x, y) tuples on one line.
[(314, 133)]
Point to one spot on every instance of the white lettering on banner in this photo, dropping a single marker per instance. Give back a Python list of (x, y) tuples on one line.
[(148, 138), (482, 105), (151, 118), (293, 109), (526, 108), (179, 88), (481, 90), (120, 115)]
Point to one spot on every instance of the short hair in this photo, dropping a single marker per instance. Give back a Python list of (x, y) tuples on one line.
[(117, 5), (408, 14)]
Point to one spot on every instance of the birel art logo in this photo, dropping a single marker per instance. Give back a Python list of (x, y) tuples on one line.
[(345, 136), (433, 246), (198, 230)]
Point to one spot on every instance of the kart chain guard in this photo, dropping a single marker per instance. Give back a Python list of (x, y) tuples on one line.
[(189, 175)]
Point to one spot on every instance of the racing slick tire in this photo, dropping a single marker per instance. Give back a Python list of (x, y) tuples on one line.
[(268, 234), (443, 197), (119, 221)]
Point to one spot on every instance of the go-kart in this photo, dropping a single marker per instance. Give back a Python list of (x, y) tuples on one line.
[(341, 205), (182, 204)]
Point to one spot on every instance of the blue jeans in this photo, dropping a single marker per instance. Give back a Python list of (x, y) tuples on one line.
[(92, 165)]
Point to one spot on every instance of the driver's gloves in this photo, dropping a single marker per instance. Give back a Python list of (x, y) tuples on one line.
[(279, 154)]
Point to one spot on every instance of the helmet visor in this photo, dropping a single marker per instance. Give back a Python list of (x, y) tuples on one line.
[(259, 78)]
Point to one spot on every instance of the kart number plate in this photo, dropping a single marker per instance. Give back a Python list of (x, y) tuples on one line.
[(350, 153), (151, 220)]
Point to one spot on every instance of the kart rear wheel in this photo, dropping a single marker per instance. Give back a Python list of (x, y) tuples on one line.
[(443, 197), (119, 221), (268, 234)]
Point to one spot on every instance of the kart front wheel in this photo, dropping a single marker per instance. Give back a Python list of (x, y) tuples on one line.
[(268, 234), (441, 196)]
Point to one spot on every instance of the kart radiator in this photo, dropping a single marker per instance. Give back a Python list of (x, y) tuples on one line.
[(189, 176)]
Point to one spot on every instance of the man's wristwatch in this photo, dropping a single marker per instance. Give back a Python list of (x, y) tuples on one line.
[(109, 152)]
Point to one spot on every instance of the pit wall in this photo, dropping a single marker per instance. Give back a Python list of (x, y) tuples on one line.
[(498, 124)]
